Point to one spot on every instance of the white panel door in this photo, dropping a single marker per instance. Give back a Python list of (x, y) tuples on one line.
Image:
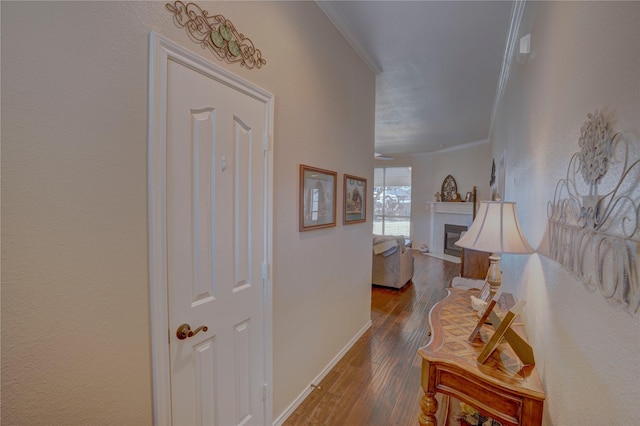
[(215, 198)]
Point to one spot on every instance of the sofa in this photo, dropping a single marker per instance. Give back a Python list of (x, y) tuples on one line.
[(392, 261)]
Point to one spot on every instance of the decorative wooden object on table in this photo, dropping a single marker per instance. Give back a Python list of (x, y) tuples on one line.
[(501, 388)]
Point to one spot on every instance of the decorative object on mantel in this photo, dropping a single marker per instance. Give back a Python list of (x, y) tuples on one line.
[(216, 33), (594, 221), (438, 197), (496, 230), (469, 197), (449, 191)]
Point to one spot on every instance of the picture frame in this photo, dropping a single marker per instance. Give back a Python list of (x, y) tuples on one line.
[(317, 198), (485, 291), (485, 295), (483, 319), (504, 331), (469, 197), (354, 199)]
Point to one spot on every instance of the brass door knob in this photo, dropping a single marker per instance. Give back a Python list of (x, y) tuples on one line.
[(185, 331)]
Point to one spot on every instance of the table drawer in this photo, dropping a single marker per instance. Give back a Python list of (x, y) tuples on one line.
[(492, 400)]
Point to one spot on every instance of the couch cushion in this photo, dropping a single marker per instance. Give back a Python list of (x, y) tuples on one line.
[(399, 240), (385, 248), (381, 238)]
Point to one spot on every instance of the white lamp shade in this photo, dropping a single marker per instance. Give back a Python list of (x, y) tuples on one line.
[(496, 230)]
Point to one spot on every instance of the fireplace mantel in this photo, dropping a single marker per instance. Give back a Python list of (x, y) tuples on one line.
[(452, 213), (450, 207)]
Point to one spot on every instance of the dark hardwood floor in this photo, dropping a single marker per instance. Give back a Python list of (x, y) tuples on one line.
[(378, 381)]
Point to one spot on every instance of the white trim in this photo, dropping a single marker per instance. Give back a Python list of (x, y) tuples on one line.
[(296, 402), (160, 51), (268, 284), (517, 11), (400, 156), (461, 146), (450, 207), (161, 380), (343, 27)]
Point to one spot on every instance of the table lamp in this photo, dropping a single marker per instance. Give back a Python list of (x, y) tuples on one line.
[(495, 230)]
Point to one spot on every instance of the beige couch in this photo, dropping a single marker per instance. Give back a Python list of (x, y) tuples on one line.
[(392, 261)]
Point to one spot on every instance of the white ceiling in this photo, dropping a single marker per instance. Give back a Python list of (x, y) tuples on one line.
[(437, 66)]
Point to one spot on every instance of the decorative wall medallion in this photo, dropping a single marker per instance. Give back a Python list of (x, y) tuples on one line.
[(594, 222), (216, 33), (449, 190), (595, 147)]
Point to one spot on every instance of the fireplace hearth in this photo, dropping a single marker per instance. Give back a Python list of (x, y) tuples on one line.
[(452, 233)]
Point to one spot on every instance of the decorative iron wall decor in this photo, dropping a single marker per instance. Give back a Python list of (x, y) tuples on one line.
[(594, 219), (216, 33)]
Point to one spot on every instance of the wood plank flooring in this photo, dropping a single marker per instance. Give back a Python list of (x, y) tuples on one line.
[(378, 381)]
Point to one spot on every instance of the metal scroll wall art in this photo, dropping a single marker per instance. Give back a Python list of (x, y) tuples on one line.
[(216, 33), (594, 228)]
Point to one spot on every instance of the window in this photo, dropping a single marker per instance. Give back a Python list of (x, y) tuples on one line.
[(315, 204), (392, 201)]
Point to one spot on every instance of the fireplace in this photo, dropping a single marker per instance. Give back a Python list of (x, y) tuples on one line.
[(452, 234)]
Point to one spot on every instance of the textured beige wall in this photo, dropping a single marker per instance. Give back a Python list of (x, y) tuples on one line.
[(585, 56), (75, 299)]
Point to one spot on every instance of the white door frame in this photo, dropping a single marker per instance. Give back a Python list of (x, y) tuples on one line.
[(160, 51)]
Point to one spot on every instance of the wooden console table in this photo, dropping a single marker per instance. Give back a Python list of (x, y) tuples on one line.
[(501, 388)]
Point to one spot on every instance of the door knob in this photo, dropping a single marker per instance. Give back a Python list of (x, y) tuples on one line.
[(185, 331)]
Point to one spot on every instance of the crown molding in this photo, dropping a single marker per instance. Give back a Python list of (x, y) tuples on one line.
[(343, 26), (517, 11), (462, 146)]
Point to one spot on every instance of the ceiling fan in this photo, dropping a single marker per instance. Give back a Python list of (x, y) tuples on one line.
[(378, 156)]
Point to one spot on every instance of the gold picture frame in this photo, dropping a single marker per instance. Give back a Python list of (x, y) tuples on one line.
[(504, 331), (317, 203), (355, 200), (485, 294)]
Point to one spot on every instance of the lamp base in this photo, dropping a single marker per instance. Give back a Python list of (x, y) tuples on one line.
[(494, 274)]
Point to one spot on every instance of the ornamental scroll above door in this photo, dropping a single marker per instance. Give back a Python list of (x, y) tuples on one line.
[(216, 33), (594, 219)]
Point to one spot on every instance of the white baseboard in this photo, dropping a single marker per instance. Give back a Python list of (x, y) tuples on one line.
[(296, 402)]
